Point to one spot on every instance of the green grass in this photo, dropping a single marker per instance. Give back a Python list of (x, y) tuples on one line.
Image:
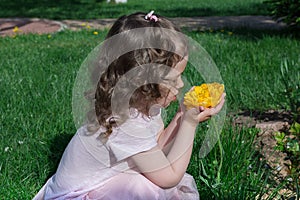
[(37, 76), (241, 175), (86, 9), (249, 62)]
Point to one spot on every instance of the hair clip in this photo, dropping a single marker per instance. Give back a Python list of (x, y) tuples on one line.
[(150, 16)]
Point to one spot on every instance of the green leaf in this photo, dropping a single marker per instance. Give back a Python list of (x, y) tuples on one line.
[(294, 147), (205, 181), (279, 136), (295, 128), (203, 169)]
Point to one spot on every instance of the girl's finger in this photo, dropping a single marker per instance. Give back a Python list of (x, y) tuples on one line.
[(205, 114), (219, 107), (192, 88), (201, 108)]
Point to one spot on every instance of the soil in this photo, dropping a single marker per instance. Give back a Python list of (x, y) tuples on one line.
[(269, 123)]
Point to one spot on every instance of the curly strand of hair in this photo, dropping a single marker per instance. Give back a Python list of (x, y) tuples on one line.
[(108, 131), (108, 125)]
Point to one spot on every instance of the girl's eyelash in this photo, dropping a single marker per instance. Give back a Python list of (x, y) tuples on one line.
[(171, 81), (171, 78)]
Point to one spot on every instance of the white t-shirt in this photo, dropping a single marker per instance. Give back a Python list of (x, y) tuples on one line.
[(87, 163)]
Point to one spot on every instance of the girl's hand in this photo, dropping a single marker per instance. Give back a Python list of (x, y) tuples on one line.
[(200, 114)]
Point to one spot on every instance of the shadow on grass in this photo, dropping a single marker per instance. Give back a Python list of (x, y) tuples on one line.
[(85, 9), (271, 115), (254, 34), (52, 9), (250, 9), (57, 148)]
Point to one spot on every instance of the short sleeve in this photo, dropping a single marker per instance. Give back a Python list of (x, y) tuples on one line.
[(134, 136)]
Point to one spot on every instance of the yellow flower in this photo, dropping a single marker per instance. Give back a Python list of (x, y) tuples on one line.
[(16, 29), (95, 33), (85, 25), (230, 33), (206, 95)]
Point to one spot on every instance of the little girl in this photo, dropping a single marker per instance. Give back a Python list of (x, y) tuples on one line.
[(123, 151)]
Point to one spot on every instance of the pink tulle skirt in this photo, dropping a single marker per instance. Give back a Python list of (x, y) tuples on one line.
[(128, 186)]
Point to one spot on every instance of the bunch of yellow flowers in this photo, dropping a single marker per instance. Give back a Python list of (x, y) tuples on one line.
[(207, 95)]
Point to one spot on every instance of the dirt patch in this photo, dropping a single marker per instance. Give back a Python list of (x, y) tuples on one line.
[(266, 144), (270, 122)]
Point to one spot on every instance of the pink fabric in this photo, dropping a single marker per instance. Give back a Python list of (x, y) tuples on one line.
[(129, 186), (92, 170)]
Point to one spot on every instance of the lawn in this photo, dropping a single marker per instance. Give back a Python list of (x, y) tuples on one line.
[(91, 9), (38, 73)]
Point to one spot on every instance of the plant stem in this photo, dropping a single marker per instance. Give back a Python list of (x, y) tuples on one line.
[(221, 161), (221, 153)]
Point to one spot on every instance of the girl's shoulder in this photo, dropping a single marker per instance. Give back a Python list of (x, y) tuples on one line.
[(138, 125), (141, 124), (137, 134), (135, 115)]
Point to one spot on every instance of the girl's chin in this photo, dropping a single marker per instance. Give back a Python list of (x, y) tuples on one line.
[(169, 101)]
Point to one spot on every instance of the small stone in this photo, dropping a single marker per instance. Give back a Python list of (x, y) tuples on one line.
[(6, 149)]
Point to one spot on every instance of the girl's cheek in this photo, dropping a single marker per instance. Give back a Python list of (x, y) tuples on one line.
[(180, 83), (173, 91)]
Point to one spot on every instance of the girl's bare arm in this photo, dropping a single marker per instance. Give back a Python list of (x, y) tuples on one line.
[(166, 170), (167, 136)]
